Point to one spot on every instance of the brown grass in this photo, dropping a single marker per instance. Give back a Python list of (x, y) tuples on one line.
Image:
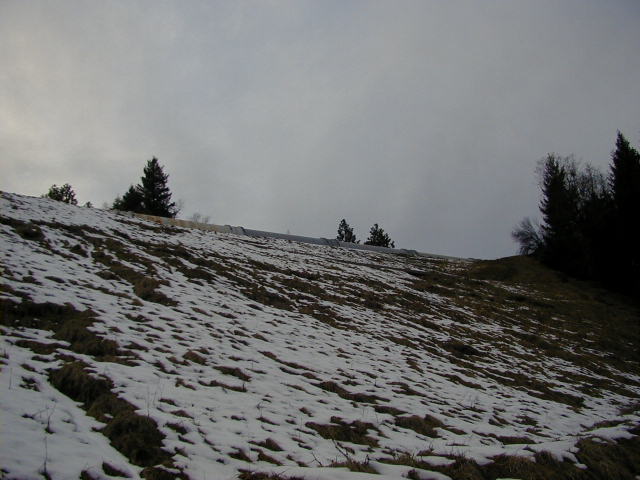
[(269, 444), (234, 372), (240, 454), (135, 436), (333, 387), (342, 431), (27, 230), (195, 357), (67, 323), (247, 475), (263, 457), (423, 425), (355, 466)]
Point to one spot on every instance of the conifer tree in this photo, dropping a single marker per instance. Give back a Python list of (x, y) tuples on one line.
[(590, 225), (345, 233), (559, 208), (624, 179), (64, 194), (152, 196), (379, 238), (131, 201), (156, 196)]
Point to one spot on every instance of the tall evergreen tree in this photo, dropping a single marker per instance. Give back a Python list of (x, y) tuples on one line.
[(591, 225), (559, 208), (345, 233), (379, 238), (152, 196), (156, 196), (624, 179)]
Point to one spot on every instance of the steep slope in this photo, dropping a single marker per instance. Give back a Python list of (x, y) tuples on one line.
[(134, 349)]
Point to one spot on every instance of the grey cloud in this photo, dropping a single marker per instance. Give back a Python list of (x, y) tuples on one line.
[(426, 117)]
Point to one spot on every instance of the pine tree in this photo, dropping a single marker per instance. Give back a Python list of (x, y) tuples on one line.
[(152, 196), (559, 208), (64, 194), (624, 180), (156, 196), (590, 223), (131, 201), (379, 238), (345, 233)]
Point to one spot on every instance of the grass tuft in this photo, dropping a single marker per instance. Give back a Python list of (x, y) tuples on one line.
[(342, 431), (423, 425)]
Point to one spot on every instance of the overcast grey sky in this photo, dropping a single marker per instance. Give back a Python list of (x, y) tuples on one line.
[(426, 117)]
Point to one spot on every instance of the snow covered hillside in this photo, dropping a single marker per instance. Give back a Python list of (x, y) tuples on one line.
[(131, 349)]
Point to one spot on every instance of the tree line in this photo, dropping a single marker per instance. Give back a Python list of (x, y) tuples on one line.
[(152, 196), (377, 235), (590, 220)]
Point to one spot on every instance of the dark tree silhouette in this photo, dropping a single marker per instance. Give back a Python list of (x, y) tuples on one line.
[(131, 201), (156, 196), (559, 208), (345, 233), (624, 179), (64, 194), (152, 197), (590, 224), (529, 237), (378, 238)]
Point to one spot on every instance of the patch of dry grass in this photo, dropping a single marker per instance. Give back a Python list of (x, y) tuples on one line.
[(423, 425), (135, 436), (343, 431)]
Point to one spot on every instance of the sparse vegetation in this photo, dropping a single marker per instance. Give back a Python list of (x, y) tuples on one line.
[(64, 194), (343, 431), (423, 425), (589, 220), (379, 238), (135, 436), (398, 337), (345, 233)]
